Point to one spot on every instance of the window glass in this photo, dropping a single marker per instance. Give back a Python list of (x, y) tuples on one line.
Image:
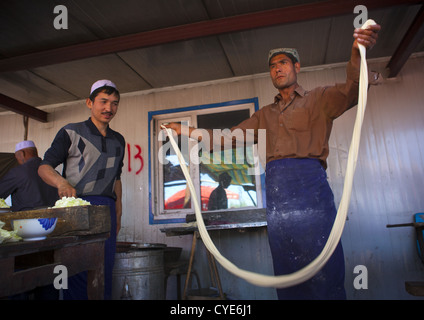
[(225, 182)]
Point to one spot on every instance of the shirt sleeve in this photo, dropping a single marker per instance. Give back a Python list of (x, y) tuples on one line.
[(121, 140), (58, 151), (246, 130), (250, 126), (8, 184), (343, 96)]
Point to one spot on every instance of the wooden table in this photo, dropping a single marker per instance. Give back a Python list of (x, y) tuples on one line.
[(26, 265), (220, 220)]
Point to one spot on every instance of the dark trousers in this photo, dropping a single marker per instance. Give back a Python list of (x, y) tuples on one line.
[(77, 284), (300, 215)]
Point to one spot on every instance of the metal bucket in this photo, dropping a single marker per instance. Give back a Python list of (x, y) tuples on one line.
[(138, 273)]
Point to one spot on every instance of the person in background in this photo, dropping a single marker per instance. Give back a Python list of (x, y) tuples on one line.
[(28, 191), (299, 200), (92, 156), (218, 198)]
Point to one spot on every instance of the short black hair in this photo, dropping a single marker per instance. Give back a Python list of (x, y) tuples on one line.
[(106, 89)]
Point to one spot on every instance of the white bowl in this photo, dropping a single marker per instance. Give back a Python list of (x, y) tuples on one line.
[(34, 229)]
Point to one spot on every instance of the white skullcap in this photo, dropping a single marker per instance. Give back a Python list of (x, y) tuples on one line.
[(102, 83), (24, 144)]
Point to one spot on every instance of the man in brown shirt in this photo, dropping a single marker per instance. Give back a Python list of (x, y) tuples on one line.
[(300, 203)]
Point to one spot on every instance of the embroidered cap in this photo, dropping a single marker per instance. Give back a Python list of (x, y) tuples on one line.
[(102, 83), (24, 144), (290, 51)]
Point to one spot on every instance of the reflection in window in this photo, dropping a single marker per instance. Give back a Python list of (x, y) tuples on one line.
[(231, 176), (224, 176)]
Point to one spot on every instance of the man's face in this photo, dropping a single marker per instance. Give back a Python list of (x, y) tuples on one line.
[(283, 72), (104, 107)]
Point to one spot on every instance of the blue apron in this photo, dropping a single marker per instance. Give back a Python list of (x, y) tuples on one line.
[(77, 284), (300, 215)]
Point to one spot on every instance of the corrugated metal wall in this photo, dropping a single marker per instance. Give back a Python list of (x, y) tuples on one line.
[(388, 186)]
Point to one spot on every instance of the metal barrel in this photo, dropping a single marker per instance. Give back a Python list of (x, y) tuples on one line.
[(138, 273)]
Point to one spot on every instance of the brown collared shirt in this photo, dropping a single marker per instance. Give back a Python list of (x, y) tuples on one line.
[(301, 129)]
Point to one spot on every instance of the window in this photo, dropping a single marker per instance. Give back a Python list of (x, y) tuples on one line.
[(225, 180)]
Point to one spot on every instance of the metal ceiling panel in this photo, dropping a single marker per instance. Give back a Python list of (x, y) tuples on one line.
[(27, 26), (180, 63), (226, 8), (248, 51), (76, 77), (27, 87), (109, 18)]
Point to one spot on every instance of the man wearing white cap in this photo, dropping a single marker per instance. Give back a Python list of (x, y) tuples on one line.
[(92, 156), (23, 183), (28, 191)]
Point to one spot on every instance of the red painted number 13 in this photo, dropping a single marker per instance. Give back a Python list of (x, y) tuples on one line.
[(137, 156)]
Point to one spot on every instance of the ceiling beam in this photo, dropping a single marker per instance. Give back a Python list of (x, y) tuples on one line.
[(412, 38), (22, 108), (192, 31)]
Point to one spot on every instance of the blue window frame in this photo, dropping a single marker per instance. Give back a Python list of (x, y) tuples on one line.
[(169, 198)]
